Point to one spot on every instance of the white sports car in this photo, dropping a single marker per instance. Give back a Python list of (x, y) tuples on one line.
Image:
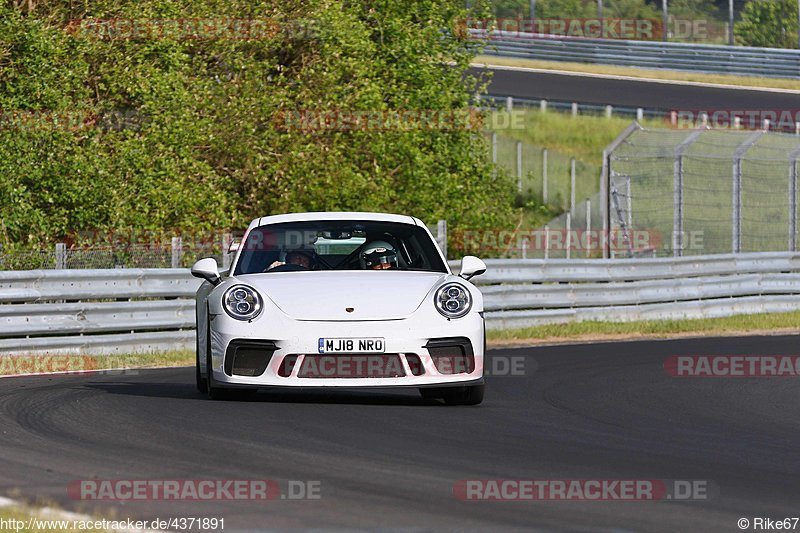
[(340, 300)]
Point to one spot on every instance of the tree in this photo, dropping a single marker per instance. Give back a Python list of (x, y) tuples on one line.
[(182, 133), (768, 23)]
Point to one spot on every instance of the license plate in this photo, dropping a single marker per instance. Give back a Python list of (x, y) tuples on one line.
[(352, 345)]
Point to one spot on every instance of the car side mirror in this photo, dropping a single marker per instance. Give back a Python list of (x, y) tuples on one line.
[(207, 269), (471, 266)]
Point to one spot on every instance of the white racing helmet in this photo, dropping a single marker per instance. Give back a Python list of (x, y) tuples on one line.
[(378, 253)]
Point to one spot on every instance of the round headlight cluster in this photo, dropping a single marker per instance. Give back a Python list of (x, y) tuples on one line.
[(453, 300), (242, 302)]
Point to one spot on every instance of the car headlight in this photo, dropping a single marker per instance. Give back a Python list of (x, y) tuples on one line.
[(453, 300), (242, 302)]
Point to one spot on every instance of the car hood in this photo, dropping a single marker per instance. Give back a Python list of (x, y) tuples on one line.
[(326, 296)]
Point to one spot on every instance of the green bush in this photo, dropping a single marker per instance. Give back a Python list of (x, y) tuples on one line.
[(170, 133), (770, 23)]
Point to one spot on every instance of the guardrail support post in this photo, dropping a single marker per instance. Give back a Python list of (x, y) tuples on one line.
[(519, 166), (494, 147), (177, 252), (510, 104), (61, 255), (574, 109), (639, 114), (609, 111), (543, 105)]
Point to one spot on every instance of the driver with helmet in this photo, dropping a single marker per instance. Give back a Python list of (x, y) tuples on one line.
[(379, 255)]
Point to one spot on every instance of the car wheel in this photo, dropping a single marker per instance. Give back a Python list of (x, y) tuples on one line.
[(471, 395), (214, 392), (431, 394), (202, 384), (220, 393)]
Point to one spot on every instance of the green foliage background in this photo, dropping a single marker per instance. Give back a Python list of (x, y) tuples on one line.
[(770, 23), (198, 149)]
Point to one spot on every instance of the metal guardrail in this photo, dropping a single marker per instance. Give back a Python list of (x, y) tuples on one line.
[(141, 310), (714, 59)]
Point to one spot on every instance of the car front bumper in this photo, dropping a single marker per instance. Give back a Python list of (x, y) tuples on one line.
[(406, 338)]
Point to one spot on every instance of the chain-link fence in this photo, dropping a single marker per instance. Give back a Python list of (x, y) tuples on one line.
[(176, 252), (692, 192)]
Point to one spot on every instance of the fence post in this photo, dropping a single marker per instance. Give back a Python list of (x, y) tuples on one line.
[(605, 186), (572, 185), (677, 188), (519, 166), (227, 238), (736, 237), (441, 235), (737, 206), (494, 147), (793, 199), (544, 176), (569, 231), (588, 227), (61, 255), (547, 242), (177, 252)]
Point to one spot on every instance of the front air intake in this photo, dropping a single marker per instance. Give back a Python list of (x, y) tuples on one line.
[(452, 355), (248, 357)]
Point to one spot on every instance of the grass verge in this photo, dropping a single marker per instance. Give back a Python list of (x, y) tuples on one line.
[(31, 364), (669, 75), (32, 520), (766, 323)]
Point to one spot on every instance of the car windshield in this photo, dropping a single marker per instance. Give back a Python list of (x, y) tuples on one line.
[(338, 245)]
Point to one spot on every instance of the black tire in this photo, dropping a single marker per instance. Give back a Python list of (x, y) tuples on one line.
[(431, 394), (470, 395), (202, 383), (220, 393), (214, 392)]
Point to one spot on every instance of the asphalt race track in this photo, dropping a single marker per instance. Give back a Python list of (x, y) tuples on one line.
[(631, 93), (389, 460)]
